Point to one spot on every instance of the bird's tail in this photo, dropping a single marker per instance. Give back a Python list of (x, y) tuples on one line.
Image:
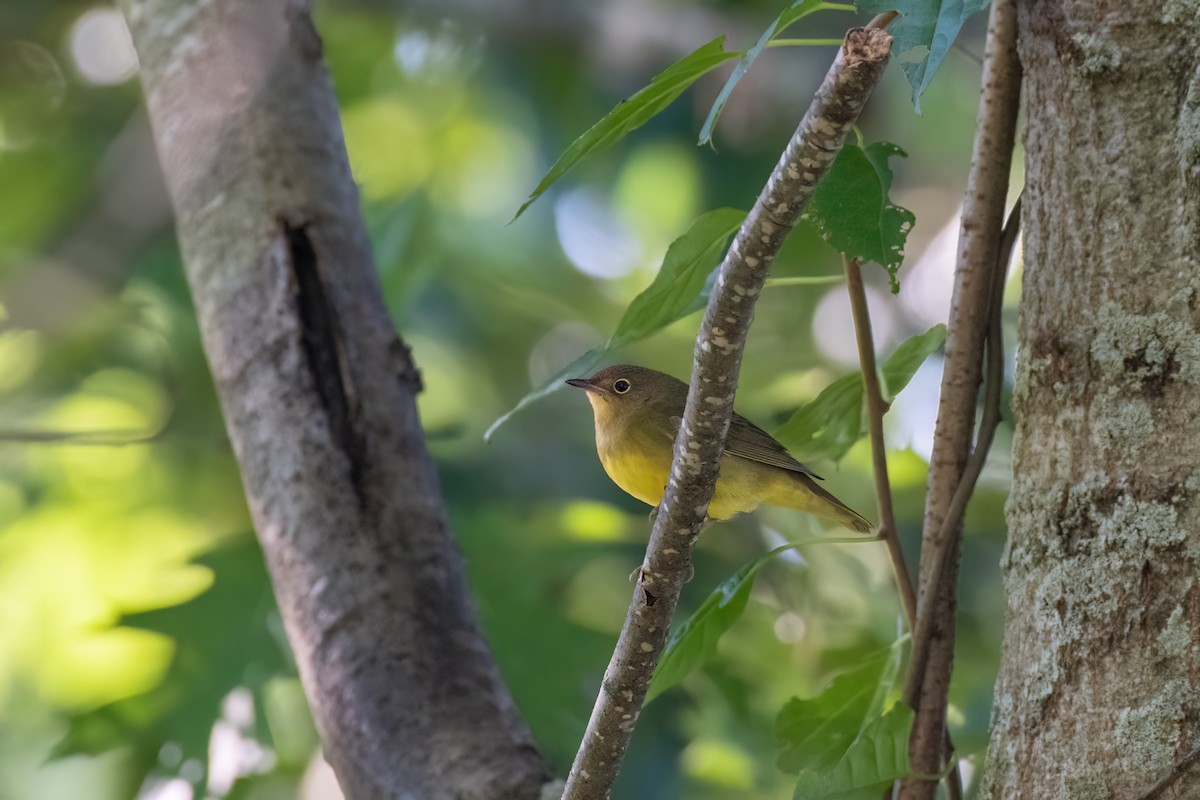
[(823, 504)]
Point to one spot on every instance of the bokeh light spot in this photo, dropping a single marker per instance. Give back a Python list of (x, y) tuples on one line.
[(595, 238), (833, 325), (720, 763), (592, 521), (389, 147), (101, 47)]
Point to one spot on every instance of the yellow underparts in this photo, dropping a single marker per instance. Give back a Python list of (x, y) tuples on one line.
[(742, 486)]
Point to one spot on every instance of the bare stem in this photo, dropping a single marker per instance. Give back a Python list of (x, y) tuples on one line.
[(701, 438), (876, 408)]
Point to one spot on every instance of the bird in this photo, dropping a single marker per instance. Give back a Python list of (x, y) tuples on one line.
[(637, 414)]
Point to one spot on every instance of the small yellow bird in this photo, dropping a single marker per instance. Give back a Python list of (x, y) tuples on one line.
[(638, 412)]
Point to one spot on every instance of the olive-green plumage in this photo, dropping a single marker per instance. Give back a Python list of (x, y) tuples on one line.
[(638, 411)]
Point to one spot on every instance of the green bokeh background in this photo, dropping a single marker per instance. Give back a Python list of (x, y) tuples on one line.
[(109, 688)]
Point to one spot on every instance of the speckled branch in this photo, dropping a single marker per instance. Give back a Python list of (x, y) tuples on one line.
[(979, 243), (701, 439), (318, 395)]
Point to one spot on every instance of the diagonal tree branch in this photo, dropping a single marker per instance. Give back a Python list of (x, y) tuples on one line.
[(979, 242), (701, 439), (318, 395)]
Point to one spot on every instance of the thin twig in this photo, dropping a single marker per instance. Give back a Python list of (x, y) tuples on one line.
[(980, 233), (1157, 790), (701, 438), (876, 408)]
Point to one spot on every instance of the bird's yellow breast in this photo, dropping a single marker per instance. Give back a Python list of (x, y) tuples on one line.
[(641, 466)]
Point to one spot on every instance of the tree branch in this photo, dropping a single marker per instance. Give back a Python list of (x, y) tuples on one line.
[(983, 442), (318, 395), (701, 439), (979, 242)]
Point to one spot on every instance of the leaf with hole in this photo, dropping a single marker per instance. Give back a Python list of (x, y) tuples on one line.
[(853, 213), (829, 426), (923, 34), (631, 114)]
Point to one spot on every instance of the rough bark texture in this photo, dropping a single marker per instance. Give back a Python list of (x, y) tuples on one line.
[(701, 440), (1099, 688), (318, 396)]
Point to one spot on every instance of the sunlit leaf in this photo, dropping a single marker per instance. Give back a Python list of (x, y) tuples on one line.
[(814, 734), (223, 640), (679, 289), (873, 761), (853, 213), (794, 12), (631, 114), (695, 641), (923, 34), (829, 426)]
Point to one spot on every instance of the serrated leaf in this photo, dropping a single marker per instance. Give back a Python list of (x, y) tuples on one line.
[(223, 640), (814, 734), (631, 114), (923, 34), (853, 213), (695, 641), (793, 13), (873, 761), (829, 426), (679, 289)]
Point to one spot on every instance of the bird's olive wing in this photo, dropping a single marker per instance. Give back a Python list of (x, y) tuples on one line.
[(747, 440)]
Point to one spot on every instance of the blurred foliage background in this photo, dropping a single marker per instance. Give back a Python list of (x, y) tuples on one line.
[(140, 653)]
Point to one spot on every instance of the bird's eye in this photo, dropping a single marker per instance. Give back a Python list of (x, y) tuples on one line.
[(621, 386)]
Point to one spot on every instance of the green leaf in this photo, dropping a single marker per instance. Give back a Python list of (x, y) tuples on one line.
[(224, 638), (695, 641), (829, 426), (908, 358), (679, 289), (687, 264), (579, 367), (631, 114), (923, 34), (794, 12), (873, 761), (853, 213), (814, 734)]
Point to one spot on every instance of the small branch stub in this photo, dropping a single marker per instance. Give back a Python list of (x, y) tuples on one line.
[(701, 440)]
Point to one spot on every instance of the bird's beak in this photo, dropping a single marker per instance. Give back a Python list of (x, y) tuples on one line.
[(585, 384)]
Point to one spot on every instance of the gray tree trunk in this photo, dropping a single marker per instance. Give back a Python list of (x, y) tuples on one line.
[(1099, 687), (318, 396)]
